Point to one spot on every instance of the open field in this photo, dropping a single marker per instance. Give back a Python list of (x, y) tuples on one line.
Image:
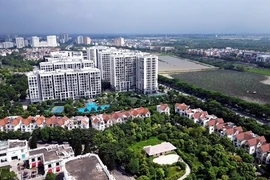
[(262, 71), (233, 83), (169, 64), (139, 145)]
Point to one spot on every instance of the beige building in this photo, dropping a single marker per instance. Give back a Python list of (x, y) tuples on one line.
[(119, 41), (87, 40)]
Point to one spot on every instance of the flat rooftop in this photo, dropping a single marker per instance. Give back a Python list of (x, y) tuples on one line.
[(13, 144), (87, 168), (51, 153)]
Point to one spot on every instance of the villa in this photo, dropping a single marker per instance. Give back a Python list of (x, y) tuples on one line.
[(103, 121), (163, 108)]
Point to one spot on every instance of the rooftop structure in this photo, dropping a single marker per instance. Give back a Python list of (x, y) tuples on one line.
[(159, 149), (85, 167)]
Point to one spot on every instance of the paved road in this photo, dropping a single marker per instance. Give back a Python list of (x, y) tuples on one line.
[(242, 114), (187, 171)]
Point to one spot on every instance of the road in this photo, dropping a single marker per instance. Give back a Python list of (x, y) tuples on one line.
[(187, 171), (242, 114), (69, 46)]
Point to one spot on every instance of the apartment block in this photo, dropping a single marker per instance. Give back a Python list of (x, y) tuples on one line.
[(64, 84), (19, 42), (147, 73)]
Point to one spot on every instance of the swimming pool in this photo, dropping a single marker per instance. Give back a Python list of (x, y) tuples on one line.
[(92, 106)]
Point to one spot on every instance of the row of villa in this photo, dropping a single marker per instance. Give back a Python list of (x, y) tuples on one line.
[(254, 144), (103, 121), (29, 124)]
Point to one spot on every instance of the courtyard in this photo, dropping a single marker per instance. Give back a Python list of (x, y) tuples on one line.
[(166, 159)]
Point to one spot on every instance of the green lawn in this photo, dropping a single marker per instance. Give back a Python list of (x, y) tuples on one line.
[(139, 145), (260, 71)]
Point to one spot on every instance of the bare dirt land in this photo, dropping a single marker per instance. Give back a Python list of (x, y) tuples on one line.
[(170, 64)]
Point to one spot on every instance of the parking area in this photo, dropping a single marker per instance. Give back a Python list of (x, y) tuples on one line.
[(166, 159)]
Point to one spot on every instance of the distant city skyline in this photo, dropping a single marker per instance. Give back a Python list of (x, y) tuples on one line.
[(134, 17)]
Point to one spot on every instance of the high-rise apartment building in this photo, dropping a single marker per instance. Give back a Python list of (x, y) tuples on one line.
[(87, 40), (80, 40), (63, 38), (119, 41), (64, 84), (19, 42), (35, 41), (123, 72), (7, 45), (92, 53), (51, 41), (147, 73)]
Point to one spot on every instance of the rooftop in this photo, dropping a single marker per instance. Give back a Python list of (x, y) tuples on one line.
[(17, 143), (52, 152), (159, 148), (89, 168)]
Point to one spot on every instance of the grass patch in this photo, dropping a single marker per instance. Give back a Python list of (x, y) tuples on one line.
[(139, 145), (172, 171), (232, 83), (259, 71)]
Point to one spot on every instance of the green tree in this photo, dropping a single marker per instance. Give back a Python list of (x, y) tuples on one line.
[(50, 176), (33, 142), (10, 176)]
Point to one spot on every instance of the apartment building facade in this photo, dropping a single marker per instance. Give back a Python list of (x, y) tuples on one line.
[(64, 84)]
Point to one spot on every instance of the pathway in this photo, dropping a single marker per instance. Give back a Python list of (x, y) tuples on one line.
[(187, 171)]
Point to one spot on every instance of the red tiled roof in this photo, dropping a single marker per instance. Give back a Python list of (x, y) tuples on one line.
[(182, 106), (219, 126), (2, 122), (40, 120), (229, 131), (105, 117), (265, 147), (163, 106), (50, 120), (27, 121), (239, 129), (212, 122), (16, 121), (244, 135), (196, 115), (96, 120)]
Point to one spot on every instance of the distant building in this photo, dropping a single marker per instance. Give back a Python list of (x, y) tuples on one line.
[(64, 38), (163, 108), (7, 45), (51, 41), (26, 43), (20, 42), (87, 40), (119, 41), (35, 41), (80, 40)]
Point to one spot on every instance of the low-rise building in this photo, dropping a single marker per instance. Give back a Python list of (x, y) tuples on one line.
[(13, 123), (159, 149), (181, 108), (103, 121), (263, 153), (163, 108), (85, 167), (13, 150)]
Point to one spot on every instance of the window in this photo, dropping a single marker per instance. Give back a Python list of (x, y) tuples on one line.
[(33, 159), (49, 165), (57, 164)]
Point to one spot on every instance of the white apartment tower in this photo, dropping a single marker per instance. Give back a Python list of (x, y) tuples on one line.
[(64, 84), (147, 73), (92, 53), (35, 41), (123, 72), (80, 40), (19, 42), (51, 41)]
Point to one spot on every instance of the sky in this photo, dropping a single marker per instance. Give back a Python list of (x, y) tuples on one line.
[(134, 16)]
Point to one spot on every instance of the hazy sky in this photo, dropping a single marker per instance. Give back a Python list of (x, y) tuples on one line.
[(134, 16)]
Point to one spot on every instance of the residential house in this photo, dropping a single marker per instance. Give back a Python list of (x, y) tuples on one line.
[(103, 121), (181, 108), (241, 138), (81, 122), (263, 153), (212, 123), (13, 123), (28, 124), (163, 108), (40, 121), (56, 121), (253, 144)]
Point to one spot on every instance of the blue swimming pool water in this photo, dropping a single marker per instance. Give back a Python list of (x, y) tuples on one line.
[(92, 106), (57, 109)]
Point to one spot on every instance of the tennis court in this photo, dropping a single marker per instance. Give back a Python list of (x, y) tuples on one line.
[(57, 109)]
